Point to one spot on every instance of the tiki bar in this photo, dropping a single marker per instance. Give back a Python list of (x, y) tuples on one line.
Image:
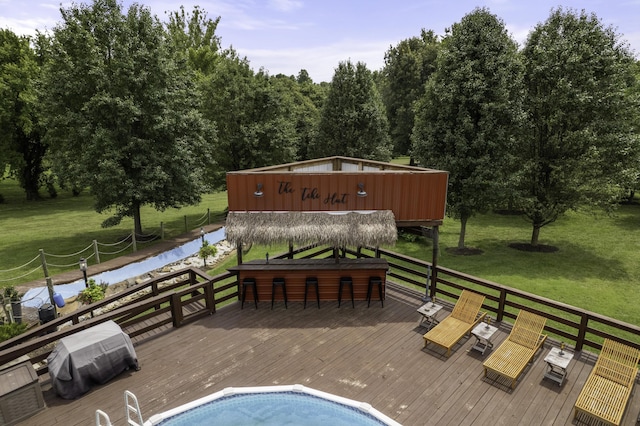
[(338, 202)]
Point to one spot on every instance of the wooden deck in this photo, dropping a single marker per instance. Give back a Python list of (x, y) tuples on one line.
[(371, 354)]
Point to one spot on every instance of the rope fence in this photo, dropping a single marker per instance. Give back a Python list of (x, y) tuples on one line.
[(29, 271)]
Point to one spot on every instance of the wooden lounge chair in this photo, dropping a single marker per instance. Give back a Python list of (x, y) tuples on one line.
[(460, 322), (608, 388), (512, 356)]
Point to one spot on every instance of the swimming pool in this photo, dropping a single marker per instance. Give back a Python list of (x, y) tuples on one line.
[(271, 406)]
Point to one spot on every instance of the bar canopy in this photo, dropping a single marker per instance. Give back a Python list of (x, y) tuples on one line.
[(371, 228)]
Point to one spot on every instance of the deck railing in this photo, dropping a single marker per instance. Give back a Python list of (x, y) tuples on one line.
[(184, 296), (575, 326)]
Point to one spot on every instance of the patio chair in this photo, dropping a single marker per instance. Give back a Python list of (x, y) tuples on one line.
[(461, 321), (608, 387), (517, 351)]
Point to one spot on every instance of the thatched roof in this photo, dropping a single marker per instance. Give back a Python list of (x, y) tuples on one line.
[(337, 229)]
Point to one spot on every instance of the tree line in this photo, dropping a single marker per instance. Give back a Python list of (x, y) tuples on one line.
[(141, 112)]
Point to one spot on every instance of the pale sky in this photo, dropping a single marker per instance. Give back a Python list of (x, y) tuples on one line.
[(285, 36)]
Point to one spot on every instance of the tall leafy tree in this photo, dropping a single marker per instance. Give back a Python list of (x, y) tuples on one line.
[(407, 67), (579, 146), (468, 117), (253, 116), (122, 114), (353, 121), (193, 36), (22, 148)]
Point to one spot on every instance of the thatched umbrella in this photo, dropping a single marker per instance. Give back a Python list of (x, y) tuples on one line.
[(337, 229)]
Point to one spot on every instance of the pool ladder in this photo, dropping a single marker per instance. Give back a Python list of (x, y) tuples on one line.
[(129, 407)]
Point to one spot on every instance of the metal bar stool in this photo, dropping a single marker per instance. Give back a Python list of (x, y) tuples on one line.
[(311, 281), (345, 281), (249, 282), (374, 281), (278, 282)]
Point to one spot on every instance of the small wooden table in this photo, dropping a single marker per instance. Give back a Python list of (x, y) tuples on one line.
[(428, 312), (557, 363), (483, 333)]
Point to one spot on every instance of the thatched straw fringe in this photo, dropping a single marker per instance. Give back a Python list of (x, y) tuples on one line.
[(371, 229)]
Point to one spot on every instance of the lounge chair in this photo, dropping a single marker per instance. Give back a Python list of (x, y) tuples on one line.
[(608, 388), (461, 321), (512, 356)]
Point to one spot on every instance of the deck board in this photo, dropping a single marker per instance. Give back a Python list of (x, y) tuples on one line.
[(371, 354)]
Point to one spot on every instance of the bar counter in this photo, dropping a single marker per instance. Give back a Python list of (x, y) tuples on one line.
[(327, 271)]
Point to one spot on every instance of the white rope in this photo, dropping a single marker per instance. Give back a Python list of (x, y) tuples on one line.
[(116, 252), (116, 243), (20, 267), (21, 276), (69, 255)]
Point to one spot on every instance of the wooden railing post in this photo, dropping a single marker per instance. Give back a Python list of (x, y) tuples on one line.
[(582, 331), (501, 304), (210, 298), (434, 261), (176, 310)]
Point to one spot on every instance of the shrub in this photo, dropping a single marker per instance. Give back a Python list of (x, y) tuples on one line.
[(7, 331), (206, 250), (92, 293)]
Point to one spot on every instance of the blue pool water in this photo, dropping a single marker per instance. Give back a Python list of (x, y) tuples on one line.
[(272, 409)]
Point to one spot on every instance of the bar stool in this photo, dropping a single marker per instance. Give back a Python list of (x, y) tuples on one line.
[(311, 281), (278, 282), (345, 281), (374, 281), (246, 283)]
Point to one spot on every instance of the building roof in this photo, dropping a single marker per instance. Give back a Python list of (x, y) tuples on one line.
[(337, 229)]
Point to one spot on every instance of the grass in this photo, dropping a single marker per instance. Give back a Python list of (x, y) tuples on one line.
[(66, 225), (595, 267)]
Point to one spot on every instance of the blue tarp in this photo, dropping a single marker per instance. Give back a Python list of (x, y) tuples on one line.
[(35, 297)]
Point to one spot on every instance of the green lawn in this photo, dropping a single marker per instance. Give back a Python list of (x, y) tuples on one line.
[(596, 266), (67, 225)]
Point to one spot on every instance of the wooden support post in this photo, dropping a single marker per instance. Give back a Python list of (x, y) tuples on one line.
[(43, 261), (434, 262), (96, 251)]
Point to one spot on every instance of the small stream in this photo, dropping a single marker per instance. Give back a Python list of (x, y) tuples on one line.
[(36, 297)]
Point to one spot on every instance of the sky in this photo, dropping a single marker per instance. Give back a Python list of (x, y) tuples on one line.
[(285, 36)]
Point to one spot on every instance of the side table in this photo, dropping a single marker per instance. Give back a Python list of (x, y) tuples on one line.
[(483, 333), (557, 363), (428, 312)]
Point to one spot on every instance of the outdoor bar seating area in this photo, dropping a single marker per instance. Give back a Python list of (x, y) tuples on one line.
[(312, 280), (337, 202)]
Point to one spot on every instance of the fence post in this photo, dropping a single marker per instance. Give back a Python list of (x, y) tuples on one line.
[(501, 304), (133, 241), (50, 289), (95, 250), (43, 260), (162, 230), (582, 332), (176, 310), (208, 216), (434, 261)]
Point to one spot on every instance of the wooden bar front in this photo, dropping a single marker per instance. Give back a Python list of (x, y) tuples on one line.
[(327, 271)]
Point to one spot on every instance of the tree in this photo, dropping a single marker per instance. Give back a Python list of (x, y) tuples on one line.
[(407, 68), (468, 117), (579, 146), (253, 116), (353, 122), (21, 146), (193, 36), (122, 114)]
